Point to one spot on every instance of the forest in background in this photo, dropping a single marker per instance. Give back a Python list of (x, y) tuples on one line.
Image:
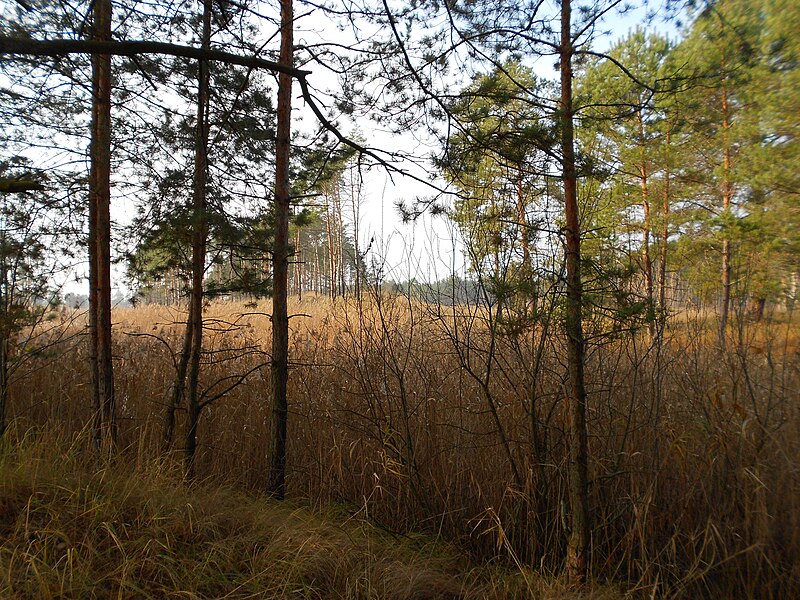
[(607, 390)]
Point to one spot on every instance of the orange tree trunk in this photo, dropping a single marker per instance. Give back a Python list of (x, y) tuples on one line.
[(101, 368)]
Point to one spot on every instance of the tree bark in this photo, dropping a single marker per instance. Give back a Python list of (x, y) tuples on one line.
[(355, 200), (578, 542), (199, 238), (101, 366), (315, 276), (298, 266), (280, 263), (647, 263), (662, 267), (727, 196), (523, 225), (331, 245), (340, 242), (179, 386), (3, 383)]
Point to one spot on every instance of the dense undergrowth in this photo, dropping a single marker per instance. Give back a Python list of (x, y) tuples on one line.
[(71, 527), (437, 419)]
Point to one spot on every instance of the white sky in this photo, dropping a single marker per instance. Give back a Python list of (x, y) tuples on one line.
[(430, 249)]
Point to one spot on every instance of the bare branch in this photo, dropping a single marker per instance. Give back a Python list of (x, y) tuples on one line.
[(15, 186), (62, 47)]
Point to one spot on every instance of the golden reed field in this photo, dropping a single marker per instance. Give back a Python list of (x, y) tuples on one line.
[(424, 418)]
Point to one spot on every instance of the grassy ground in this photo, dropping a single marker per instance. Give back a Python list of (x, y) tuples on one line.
[(72, 529), (431, 419)]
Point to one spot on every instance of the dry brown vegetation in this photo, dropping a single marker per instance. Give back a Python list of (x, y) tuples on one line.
[(424, 418), (71, 528)]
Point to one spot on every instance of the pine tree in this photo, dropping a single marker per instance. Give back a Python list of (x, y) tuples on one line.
[(622, 115)]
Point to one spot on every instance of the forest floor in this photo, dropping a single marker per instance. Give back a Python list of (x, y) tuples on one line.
[(71, 527)]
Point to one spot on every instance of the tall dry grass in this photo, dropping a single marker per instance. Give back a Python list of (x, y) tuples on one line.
[(73, 526), (428, 417)]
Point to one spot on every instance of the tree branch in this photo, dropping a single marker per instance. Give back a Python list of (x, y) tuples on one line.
[(61, 47), (14, 186)]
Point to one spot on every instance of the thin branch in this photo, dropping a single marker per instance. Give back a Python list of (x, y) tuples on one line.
[(621, 67), (239, 379)]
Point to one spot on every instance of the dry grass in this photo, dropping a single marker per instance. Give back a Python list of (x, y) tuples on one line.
[(695, 481), (75, 530)]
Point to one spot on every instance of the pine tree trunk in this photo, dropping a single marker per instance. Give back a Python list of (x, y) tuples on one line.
[(280, 261), (340, 243), (199, 238), (578, 542), (329, 232), (315, 287), (101, 368), (647, 263), (662, 267), (523, 225), (179, 386), (3, 384), (94, 367), (727, 195), (354, 198), (298, 265)]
